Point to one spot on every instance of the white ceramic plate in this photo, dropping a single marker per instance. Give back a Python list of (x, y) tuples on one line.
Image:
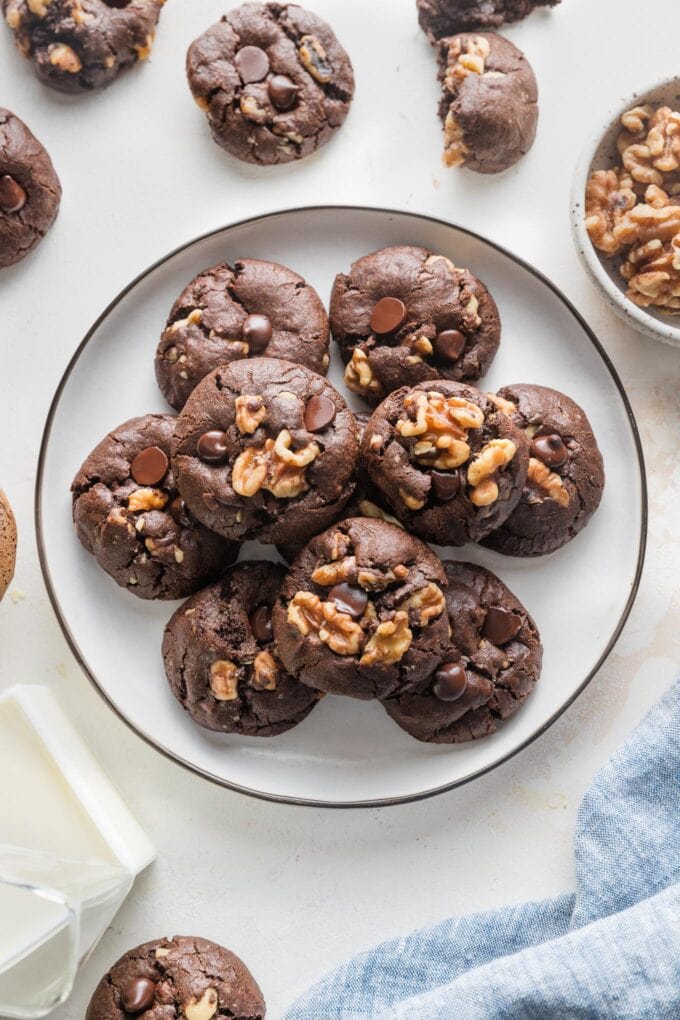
[(347, 752)]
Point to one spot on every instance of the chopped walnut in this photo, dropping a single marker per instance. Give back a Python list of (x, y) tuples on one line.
[(315, 59), (389, 642), (224, 680), (370, 509), (425, 605), (194, 318), (38, 7), (410, 501), (359, 376), (250, 413), (541, 477), (440, 427), (329, 574), (461, 63), (339, 631), (251, 109), (146, 499), (609, 194), (455, 149), (647, 223), (266, 672), (653, 274), (378, 580), (274, 467), (505, 406), (65, 58), (482, 472)]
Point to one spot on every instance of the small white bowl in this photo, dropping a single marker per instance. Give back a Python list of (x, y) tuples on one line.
[(601, 154)]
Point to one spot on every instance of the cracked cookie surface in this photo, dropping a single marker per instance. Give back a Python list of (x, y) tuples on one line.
[(256, 309), (273, 80), (81, 45), (178, 977), (129, 515), (30, 191), (221, 661), (445, 17), (487, 673)]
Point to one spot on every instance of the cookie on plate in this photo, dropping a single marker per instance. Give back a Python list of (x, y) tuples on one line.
[(129, 515), (489, 102), (566, 476), (362, 611), (177, 977), (81, 45), (445, 17), (220, 658), (30, 191), (403, 315), (254, 309), (8, 544), (265, 449), (487, 673), (274, 82), (449, 463)]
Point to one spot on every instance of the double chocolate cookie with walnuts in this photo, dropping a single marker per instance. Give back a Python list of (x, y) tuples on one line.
[(449, 463), (445, 17), (30, 191), (273, 80), (265, 449), (221, 662), (489, 102), (256, 309), (362, 612), (177, 977), (566, 476), (487, 673), (403, 315), (81, 45), (130, 516)]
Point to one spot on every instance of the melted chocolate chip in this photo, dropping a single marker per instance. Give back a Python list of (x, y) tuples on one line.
[(261, 624), (212, 447), (138, 995), (348, 598), (12, 195), (252, 64), (501, 626), (450, 682), (319, 413), (257, 331), (445, 485), (388, 315), (179, 512), (449, 344), (150, 466), (550, 450), (282, 92)]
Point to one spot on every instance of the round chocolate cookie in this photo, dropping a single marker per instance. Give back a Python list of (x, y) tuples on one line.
[(487, 673), (220, 659), (177, 977), (362, 611), (30, 191), (81, 45), (566, 474), (403, 315), (8, 544), (129, 515), (489, 102), (444, 17), (265, 449), (447, 460), (224, 314), (273, 80)]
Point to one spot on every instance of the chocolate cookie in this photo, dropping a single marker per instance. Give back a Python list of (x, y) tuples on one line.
[(224, 314), (30, 191), (362, 611), (178, 977), (486, 674), (273, 80), (489, 102), (221, 662), (8, 544), (403, 315), (445, 17), (566, 475), (81, 45), (447, 460), (265, 449), (129, 515)]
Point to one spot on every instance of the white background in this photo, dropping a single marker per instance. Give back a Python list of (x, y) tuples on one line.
[(295, 891)]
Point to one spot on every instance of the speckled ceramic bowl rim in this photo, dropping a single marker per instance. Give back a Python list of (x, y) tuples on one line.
[(638, 318)]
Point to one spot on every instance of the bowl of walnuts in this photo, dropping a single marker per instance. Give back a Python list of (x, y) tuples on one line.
[(626, 211)]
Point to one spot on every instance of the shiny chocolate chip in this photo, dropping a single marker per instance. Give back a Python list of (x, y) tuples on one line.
[(261, 624), (282, 92), (388, 315), (138, 995), (348, 598), (12, 195), (150, 466), (445, 485), (501, 626), (550, 450), (252, 64), (449, 344), (319, 413), (257, 331), (212, 447), (450, 682), (179, 512)]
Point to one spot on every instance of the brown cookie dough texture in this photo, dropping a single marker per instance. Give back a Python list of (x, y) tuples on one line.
[(449, 463), (221, 661), (8, 544), (30, 191), (274, 82), (489, 102), (129, 515), (265, 449), (487, 673), (403, 315), (361, 612), (565, 480), (81, 45), (183, 977), (445, 17), (225, 314)]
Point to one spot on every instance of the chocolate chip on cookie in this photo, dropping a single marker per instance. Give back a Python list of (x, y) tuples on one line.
[(488, 671), (362, 611), (81, 45), (274, 82), (565, 480), (445, 17), (489, 102), (30, 191), (178, 977), (403, 315), (254, 309), (128, 514), (448, 462)]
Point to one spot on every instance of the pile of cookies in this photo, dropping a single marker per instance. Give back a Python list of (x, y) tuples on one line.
[(264, 448)]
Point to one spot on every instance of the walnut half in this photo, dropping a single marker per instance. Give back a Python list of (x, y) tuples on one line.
[(309, 615), (547, 481), (482, 472), (275, 467), (389, 642)]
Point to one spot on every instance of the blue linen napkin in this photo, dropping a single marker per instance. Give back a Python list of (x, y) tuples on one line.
[(611, 949)]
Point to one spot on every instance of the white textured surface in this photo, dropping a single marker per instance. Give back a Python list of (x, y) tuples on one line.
[(296, 891)]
